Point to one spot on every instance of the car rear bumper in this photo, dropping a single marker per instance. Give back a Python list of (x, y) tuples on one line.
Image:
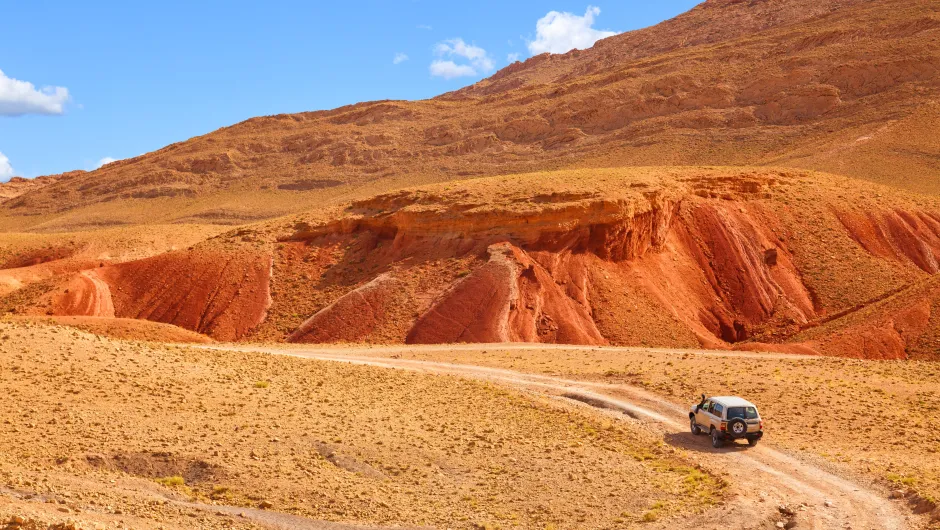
[(751, 435)]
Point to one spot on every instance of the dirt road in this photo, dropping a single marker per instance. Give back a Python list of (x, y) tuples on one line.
[(762, 479), (96, 300)]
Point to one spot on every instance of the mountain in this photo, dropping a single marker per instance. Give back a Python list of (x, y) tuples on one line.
[(845, 86), (751, 174), (17, 186)]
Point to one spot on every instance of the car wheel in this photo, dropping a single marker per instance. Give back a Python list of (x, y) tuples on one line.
[(737, 428), (716, 439), (752, 441), (696, 430)]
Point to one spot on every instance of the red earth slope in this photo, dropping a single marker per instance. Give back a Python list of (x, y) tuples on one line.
[(684, 257), (220, 294)]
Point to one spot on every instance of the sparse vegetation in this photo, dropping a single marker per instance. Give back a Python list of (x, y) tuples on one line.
[(171, 481), (192, 402), (843, 390)]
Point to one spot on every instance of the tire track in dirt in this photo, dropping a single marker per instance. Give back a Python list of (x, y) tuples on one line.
[(761, 477), (101, 304), (87, 295)]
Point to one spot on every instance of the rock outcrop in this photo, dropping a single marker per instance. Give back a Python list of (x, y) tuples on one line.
[(712, 258), (511, 298), (708, 256), (354, 316), (223, 294)]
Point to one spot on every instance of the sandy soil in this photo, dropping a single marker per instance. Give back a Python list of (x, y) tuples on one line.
[(124, 431), (830, 434), (118, 328)]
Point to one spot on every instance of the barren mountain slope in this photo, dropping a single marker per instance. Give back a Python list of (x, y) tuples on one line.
[(753, 258), (823, 84), (17, 186)]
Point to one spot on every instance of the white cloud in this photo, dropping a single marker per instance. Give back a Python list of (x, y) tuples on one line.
[(105, 161), (478, 61), (425, 27), (512, 57), (450, 69), (21, 97), (6, 170), (399, 58), (562, 32), (476, 55)]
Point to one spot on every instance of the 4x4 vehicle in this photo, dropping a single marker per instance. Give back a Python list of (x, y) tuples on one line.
[(726, 418)]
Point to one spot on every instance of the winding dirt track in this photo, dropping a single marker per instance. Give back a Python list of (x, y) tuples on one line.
[(97, 296), (761, 477)]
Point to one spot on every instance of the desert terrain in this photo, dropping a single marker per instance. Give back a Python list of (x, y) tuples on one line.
[(841, 86), (110, 432), (147, 435), (492, 309)]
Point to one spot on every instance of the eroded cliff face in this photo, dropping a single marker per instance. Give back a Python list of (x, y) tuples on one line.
[(704, 263), (510, 298), (692, 258), (897, 235), (354, 316), (221, 294)]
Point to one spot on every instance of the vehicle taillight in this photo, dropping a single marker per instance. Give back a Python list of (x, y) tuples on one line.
[(761, 427), (724, 426)]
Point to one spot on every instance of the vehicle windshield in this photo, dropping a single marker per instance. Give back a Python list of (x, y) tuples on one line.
[(748, 413)]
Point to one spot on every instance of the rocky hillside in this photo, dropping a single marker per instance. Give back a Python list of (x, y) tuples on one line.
[(837, 85), (748, 258), (17, 186), (651, 190)]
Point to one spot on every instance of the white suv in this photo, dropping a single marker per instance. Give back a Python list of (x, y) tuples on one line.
[(726, 418)]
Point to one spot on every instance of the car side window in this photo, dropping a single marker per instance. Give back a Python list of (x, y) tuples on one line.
[(717, 410)]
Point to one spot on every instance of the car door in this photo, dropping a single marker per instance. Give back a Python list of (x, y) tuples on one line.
[(702, 416), (753, 419)]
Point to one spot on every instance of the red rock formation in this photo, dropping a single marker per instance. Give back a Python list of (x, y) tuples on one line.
[(701, 258), (900, 326), (730, 248), (475, 309), (897, 235), (353, 317), (509, 299), (222, 294), (720, 270)]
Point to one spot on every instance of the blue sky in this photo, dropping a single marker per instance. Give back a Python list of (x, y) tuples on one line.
[(85, 81)]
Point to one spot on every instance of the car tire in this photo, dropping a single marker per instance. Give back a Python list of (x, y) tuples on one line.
[(717, 442), (752, 441), (737, 428), (696, 430)]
